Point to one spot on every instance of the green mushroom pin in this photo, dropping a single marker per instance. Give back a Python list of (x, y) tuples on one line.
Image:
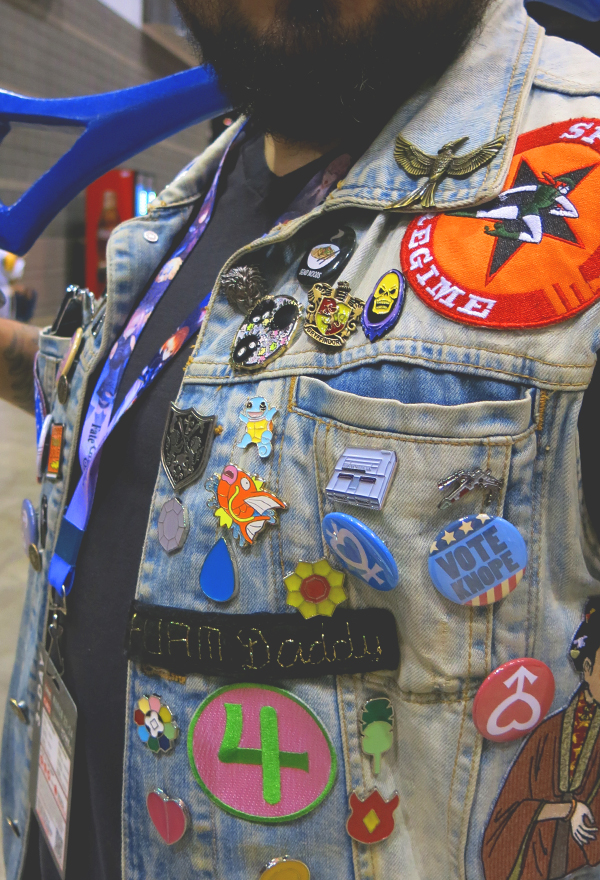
[(377, 729)]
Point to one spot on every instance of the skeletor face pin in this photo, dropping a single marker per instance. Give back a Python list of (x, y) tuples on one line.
[(383, 307), (265, 334)]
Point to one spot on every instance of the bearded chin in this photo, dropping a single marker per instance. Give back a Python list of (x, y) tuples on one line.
[(309, 79)]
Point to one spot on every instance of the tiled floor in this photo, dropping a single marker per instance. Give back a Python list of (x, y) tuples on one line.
[(17, 481)]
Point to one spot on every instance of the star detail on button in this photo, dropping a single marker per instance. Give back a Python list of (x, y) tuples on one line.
[(466, 527), (433, 547), (448, 537), (482, 517), (315, 588)]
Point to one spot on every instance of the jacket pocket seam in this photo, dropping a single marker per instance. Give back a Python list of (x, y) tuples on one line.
[(503, 440)]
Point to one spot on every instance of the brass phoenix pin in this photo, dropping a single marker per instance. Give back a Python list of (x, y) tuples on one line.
[(445, 163)]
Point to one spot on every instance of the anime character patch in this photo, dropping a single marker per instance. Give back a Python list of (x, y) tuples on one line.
[(544, 824), (530, 257)]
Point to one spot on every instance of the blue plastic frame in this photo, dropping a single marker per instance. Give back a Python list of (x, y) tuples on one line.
[(117, 125)]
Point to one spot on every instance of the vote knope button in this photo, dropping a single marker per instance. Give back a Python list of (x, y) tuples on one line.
[(477, 560), (513, 699)]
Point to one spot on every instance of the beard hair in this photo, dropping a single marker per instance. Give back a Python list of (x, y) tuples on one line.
[(310, 78)]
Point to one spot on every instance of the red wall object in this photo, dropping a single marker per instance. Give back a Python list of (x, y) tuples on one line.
[(109, 200)]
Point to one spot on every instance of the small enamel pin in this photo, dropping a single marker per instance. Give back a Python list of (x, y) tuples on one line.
[(258, 416), (53, 465), (461, 482), (185, 450), (170, 816), (315, 588), (285, 868), (241, 503), (362, 477), (186, 444), (173, 525), (243, 286), (266, 332), (377, 729), (332, 314), (156, 726), (383, 307), (372, 819), (218, 575), (445, 163)]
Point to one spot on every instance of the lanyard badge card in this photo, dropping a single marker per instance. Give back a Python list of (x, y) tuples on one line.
[(51, 783)]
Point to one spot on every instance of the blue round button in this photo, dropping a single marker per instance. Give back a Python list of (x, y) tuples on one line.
[(360, 551), (477, 560), (29, 527)]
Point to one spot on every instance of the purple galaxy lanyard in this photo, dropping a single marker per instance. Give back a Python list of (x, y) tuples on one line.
[(100, 421)]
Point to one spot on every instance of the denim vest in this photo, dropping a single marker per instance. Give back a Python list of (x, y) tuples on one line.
[(441, 394)]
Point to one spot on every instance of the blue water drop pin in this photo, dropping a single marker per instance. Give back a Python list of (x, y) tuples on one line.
[(218, 575)]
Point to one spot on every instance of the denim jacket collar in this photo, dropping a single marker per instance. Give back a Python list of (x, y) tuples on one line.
[(483, 95)]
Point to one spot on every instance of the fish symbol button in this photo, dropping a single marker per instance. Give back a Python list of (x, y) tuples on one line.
[(241, 503), (360, 551), (477, 560)]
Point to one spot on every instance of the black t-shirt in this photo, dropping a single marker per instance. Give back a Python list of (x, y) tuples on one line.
[(249, 201)]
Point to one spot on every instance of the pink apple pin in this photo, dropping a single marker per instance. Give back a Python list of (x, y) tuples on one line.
[(169, 815)]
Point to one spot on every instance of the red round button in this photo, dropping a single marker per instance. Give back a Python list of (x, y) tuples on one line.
[(513, 699)]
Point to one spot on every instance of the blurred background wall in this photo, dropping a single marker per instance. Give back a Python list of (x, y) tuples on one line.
[(59, 48)]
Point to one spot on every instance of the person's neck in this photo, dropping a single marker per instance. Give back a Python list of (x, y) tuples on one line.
[(283, 157)]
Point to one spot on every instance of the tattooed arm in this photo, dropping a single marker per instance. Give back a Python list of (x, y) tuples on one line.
[(18, 345)]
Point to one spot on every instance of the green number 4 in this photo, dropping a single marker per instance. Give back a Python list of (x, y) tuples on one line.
[(269, 756)]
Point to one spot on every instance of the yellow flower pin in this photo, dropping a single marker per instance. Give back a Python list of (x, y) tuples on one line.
[(315, 588)]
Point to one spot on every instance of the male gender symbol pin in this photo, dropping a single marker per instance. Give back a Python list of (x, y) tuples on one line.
[(513, 699)]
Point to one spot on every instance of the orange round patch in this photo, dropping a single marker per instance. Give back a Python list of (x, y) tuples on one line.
[(530, 257)]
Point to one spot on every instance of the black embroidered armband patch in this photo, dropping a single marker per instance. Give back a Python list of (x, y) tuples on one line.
[(262, 646)]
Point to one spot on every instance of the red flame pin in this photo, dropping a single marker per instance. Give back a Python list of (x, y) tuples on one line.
[(371, 820)]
